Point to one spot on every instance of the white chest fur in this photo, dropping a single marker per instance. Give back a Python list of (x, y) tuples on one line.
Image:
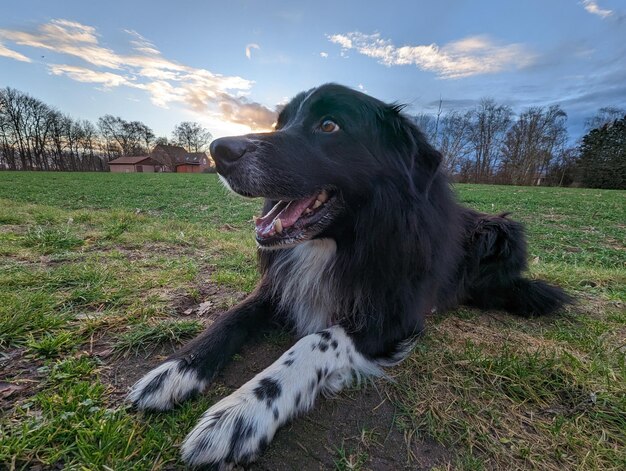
[(303, 284)]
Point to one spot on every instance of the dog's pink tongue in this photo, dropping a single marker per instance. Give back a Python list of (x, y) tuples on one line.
[(288, 216)]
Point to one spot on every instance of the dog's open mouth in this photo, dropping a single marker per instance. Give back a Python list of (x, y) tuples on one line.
[(290, 222)]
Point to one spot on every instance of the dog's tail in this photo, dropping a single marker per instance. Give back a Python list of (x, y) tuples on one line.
[(496, 260), (523, 297)]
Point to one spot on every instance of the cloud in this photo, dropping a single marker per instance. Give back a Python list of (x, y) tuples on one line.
[(83, 74), (343, 40), (213, 97), (141, 44), (249, 48), (470, 56), (592, 7), (11, 54), (324, 54)]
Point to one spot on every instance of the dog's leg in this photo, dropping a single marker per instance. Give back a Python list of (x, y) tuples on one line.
[(190, 370), (239, 427)]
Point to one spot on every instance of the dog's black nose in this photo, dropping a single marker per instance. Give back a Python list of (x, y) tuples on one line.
[(227, 150)]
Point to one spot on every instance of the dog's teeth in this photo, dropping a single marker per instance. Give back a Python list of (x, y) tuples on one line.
[(278, 225), (317, 204), (323, 196)]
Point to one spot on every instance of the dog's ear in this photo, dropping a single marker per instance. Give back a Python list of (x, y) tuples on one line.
[(425, 159)]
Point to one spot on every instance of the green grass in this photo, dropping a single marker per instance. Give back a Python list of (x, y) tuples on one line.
[(146, 335), (49, 240), (93, 263), (196, 197)]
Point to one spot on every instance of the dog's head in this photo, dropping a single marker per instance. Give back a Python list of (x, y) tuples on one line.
[(331, 148)]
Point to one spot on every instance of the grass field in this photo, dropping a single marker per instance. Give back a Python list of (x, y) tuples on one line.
[(103, 274)]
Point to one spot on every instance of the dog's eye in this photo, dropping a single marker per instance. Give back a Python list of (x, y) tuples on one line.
[(329, 126)]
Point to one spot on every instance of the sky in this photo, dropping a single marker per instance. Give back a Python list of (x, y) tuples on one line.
[(230, 64)]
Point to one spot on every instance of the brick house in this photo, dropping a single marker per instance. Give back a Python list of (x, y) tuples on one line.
[(143, 163), (164, 158), (194, 162)]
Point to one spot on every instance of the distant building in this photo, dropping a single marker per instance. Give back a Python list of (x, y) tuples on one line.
[(164, 158), (177, 159), (168, 156), (143, 163), (194, 162)]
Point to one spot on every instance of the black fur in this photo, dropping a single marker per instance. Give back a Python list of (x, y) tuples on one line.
[(404, 245), (401, 244), (269, 389)]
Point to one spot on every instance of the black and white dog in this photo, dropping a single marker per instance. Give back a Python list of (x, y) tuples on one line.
[(360, 238)]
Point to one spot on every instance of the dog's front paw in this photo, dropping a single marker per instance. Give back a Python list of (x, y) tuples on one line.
[(165, 386), (233, 432)]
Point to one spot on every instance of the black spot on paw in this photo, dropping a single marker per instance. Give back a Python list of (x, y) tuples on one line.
[(268, 389), (217, 415), (323, 346), (334, 344), (242, 431), (156, 383), (318, 372), (263, 443), (291, 353), (325, 334), (275, 412), (337, 355), (298, 399), (288, 362)]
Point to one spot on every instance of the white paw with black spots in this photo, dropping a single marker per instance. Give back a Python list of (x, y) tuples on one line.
[(237, 429), (166, 386)]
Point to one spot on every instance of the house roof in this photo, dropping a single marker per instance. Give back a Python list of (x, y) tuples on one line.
[(129, 160), (196, 156), (175, 153)]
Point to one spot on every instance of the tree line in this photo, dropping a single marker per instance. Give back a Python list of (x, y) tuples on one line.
[(36, 136), (488, 143)]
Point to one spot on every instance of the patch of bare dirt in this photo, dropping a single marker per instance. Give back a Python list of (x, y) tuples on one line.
[(361, 424), (20, 376), (215, 299)]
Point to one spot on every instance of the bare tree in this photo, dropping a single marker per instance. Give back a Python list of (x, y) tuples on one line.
[(454, 139), (427, 123), (35, 136), (123, 137), (489, 123), (192, 136), (605, 115), (532, 144)]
